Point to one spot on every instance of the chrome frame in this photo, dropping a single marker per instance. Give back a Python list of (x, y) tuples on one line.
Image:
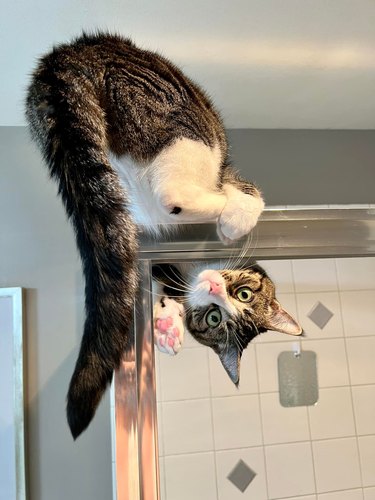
[(280, 234), (16, 294)]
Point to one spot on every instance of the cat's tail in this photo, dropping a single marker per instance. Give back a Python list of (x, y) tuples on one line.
[(68, 123)]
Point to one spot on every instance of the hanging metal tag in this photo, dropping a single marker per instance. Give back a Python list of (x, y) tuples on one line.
[(298, 378)]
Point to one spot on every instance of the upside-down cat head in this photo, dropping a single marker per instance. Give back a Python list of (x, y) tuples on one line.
[(228, 308)]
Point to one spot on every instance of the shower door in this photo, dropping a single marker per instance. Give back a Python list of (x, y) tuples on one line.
[(211, 441)]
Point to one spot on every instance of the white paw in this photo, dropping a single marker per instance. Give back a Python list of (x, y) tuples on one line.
[(240, 215), (168, 326)]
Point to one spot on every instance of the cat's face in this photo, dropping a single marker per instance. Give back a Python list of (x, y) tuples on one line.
[(228, 308)]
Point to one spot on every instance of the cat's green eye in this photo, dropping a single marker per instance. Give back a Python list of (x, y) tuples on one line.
[(213, 317), (244, 294)]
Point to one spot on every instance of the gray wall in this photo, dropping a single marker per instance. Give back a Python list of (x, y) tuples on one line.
[(37, 252), (308, 167)]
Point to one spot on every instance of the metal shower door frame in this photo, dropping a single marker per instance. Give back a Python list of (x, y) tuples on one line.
[(280, 234)]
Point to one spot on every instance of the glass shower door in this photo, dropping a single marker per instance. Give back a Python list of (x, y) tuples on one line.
[(222, 443), (217, 442)]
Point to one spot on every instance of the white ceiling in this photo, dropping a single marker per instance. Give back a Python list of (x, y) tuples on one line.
[(266, 63)]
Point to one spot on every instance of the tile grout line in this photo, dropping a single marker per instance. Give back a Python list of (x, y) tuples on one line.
[(307, 410), (312, 450), (273, 445), (315, 494), (350, 382), (261, 421), (159, 385), (212, 422), (306, 339), (323, 387)]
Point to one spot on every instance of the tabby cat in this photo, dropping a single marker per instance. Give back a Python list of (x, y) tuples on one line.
[(221, 308), (129, 139)]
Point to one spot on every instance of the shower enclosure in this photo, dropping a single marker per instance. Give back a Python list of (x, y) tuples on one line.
[(180, 430)]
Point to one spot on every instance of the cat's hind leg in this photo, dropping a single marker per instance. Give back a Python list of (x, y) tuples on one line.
[(168, 325), (192, 203)]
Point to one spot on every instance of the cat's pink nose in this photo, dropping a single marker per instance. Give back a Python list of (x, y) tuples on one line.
[(215, 287)]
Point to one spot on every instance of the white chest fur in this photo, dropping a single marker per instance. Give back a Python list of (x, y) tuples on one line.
[(177, 172), (144, 206)]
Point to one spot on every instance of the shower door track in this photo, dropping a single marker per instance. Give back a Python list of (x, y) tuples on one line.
[(280, 234)]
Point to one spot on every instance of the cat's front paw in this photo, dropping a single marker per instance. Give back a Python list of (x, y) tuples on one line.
[(168, 326), (239, 216)]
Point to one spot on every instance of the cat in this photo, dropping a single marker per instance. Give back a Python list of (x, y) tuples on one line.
[(221, 308), (129, 139)]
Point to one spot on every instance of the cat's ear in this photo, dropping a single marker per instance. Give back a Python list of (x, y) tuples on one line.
[(280, 320), (230, 357)]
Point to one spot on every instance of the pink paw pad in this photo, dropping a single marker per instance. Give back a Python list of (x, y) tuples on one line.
[(163, 324), (170, 342), (168, 326)]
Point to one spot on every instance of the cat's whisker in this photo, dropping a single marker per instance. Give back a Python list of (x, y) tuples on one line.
[(234, 263), (180, 290), (255, 326), (181, 300), (244, 250), (241, 341), (154, 294), (181, 286), (187, 310), (233, 259), (182, 280), (237, 342), (187, 286), (226, 340), (254, 233)]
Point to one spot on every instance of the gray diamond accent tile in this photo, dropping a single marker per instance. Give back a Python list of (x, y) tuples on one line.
[(320, 315), (241, 476)]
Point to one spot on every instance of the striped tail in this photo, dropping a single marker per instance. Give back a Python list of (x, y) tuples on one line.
[(69, 126)]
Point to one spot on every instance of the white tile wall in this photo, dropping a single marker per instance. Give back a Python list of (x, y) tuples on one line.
[(318, 275), (369, 493), (358, 312), (331, 360), (323, 452), (342, 495), (225, 463), (160, 428), (185, 376), (289, 470), (364, 408), (187, 426), (361, 352), (191, 477), (332, 416), (336, 464), (236, 422), (367, 456), (283, 425), (356, 273), (280, 271), (162, 477)]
